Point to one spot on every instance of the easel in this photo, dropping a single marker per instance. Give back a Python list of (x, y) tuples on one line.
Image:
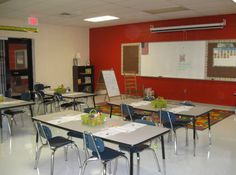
[(107, 81)]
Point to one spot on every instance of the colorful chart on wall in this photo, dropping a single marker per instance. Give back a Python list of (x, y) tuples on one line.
[(221, 59)]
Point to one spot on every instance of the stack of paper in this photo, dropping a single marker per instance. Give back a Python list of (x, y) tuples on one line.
[(65, 119), (140, 103), (130, 127), (180, 109)]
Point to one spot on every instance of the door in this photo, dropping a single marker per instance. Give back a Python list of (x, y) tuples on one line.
[(19, 65)]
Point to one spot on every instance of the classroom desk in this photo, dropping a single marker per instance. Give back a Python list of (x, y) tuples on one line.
[(9, 103), (192, 113), (73, 95), (136, 137)]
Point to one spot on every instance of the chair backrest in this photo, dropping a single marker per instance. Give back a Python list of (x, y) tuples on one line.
[(187, 103), (166, 116), (147, 122), (58, 97), (93, 144), (127, 110), (25, 96), (8, 93), (38, 87), (44, 132)]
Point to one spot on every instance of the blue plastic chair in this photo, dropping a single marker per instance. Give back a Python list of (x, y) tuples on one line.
[(142, 147), (129, 113), (47, 140), (26, 96), (169, 120), (99, 152)]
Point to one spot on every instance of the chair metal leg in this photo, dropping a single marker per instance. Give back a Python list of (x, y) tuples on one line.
[(175, 142), (78, 154), (115, 166), (104, 172), (37, 156), (170, 136), (127, 162), (22, 121), (138, 164), (66, 152), (52, 161), (187, 142), (8, 125), (156, 159)]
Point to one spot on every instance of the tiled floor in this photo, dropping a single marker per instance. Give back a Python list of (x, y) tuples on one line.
[(17, 154)]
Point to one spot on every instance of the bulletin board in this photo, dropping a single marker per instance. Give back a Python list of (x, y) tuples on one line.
[(221, 59)]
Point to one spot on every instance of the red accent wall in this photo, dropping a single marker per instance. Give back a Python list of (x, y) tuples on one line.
[(105, 53)]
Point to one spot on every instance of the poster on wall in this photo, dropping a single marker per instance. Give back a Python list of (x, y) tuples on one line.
[(221, 62), (224, 54)]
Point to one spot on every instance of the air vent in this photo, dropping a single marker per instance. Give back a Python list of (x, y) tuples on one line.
[(165, 10), (65, 14)]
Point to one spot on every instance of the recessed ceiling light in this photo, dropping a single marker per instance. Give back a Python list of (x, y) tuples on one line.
[(234, 1), (101, 18)]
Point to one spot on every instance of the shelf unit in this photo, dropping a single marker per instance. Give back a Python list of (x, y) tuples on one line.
[(83, 77)]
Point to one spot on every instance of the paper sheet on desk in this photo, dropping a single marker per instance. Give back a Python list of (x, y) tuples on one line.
[(140, 103), (130, 127), (180, 109), (67, 118), (74, 93), (11, 102)]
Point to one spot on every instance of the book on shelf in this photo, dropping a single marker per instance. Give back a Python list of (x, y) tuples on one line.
[(87, 89), (79, 81), (87, 80), (88, 70)]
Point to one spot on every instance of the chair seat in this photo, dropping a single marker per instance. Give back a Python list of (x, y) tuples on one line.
[(13, 112), (108, 154), (59, 141), (71, 104), (75, 134), (134, 149), (135, 116), (176, 124)]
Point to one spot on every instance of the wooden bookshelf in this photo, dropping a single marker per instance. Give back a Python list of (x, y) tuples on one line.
[(83, 78)]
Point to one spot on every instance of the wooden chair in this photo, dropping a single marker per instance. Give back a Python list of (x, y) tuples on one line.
[(131, 88)]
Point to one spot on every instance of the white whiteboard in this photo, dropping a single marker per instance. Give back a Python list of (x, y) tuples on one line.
[(111, 83), (184, 59)]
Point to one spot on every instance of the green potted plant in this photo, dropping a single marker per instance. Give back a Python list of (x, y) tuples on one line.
[(159, 103)]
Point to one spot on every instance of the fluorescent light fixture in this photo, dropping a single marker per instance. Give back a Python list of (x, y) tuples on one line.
[(101, 18), (189, 27)]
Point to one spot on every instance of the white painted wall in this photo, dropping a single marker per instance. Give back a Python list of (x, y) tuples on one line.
[(54, 48)]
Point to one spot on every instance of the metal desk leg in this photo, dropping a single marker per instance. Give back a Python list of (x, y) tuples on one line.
[(163, 147), (194, 136), (111, 106), (74, 104), (131, 168), (94, 105), (209, 127), (31, 112), (1, 126)]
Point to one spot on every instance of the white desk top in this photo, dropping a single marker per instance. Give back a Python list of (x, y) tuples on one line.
[(12, 103), (71, 94), (175, 108), (116, 129)]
